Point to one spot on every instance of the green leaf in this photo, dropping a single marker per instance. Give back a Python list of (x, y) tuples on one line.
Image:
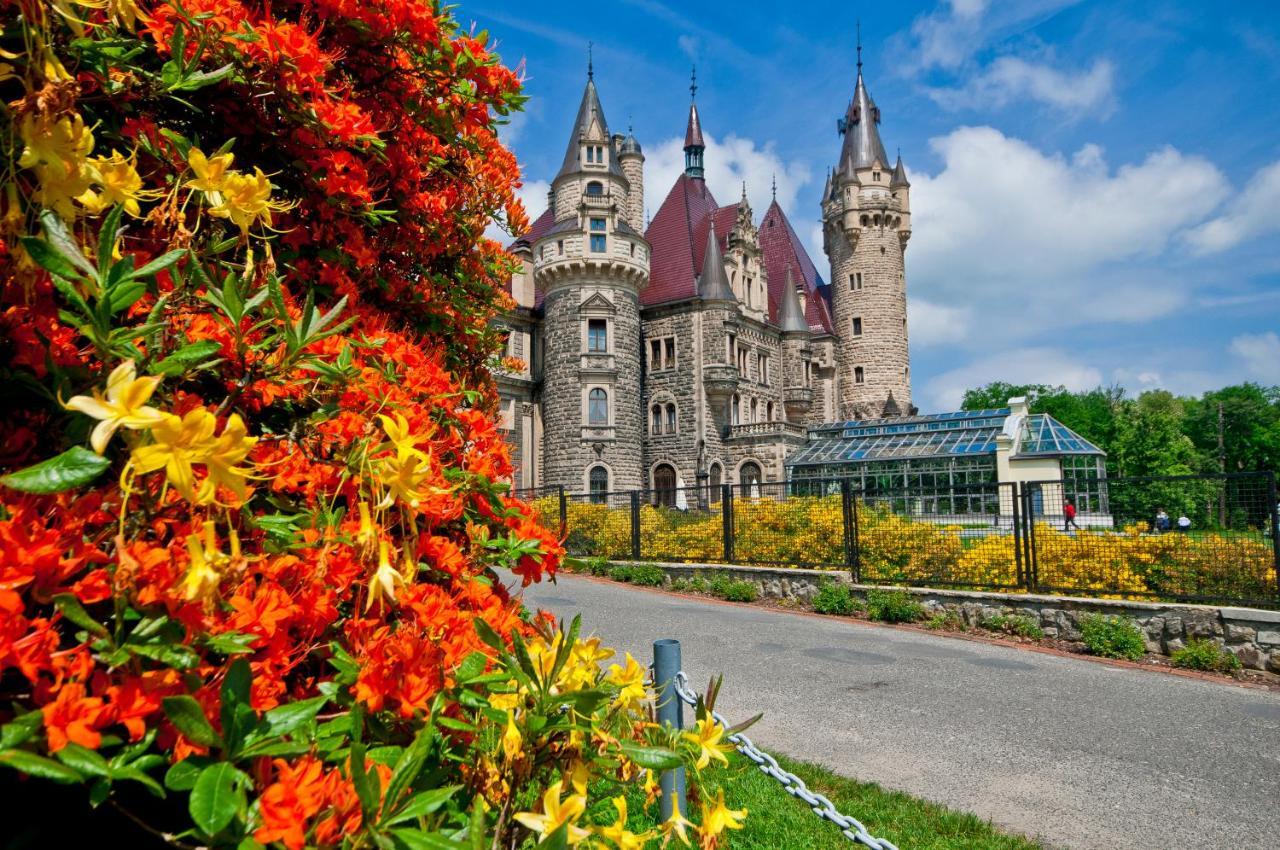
[(160, 263), (558, 840), (49, 259), (70, 606), (83, 760), (75, 467), (187, 715), (135, 775), (21, 729), (410, 764), (230, 643), (654, 758), (415, 840), (186, 357), (459, 725), (61, 240), (471, 667), (215, 798), (200, 79), (182, 776), (423, 804), (40, 767), (363, 782), (288, 718), (107, 238)]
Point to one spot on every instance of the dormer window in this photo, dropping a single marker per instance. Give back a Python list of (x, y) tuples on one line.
[(595, 187), (595, 153), (875, 176)]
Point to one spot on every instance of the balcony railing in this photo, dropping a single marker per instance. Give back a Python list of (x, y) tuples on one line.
[(764, 429)]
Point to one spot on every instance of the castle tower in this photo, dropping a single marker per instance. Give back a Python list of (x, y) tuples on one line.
[(797, 389), (591, 265), (866, 224), (631, 158)]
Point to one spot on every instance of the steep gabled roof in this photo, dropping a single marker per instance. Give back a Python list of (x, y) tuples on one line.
[(590, 113), (782, 250), (677, 237)]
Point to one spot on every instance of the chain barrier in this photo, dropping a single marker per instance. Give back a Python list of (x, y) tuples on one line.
[(851, 828)]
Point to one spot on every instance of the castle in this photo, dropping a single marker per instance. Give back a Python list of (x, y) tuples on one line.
[(699, 350)]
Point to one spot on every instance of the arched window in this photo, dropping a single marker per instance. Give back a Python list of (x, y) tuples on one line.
[(598, 407), (769, 412), (671, 418), (859, 376), (749, 478), (735, 409), (655, 421), (755, 411), (599, 480), (664, 485), (595, 188), (714, 481)]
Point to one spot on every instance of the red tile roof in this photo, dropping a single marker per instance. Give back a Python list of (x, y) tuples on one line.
[(677, 235), (783, 248)]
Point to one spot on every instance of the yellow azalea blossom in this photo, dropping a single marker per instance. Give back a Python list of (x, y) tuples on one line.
[(400, 437), (61, 144), (512, 741), (386, 578), (716, 819), (650, 787), (579, 776), (707, 736), (582, 669), (231, 447), (57, 190), (246, 199), (676, 825), (506, 701), (630, 678), (211, 174), (367, 536), (208, 565), (403, 480), (127, 13), (118, 182), (618, 833), (125, 405), (556, 813), (179, 444)]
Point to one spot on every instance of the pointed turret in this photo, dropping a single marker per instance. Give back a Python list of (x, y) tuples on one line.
[(791, 312), (589, 126), (713, 283), (899, 175), (693, 144), (862, 146)]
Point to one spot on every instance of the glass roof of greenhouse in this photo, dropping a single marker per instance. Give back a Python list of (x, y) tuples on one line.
[(962, 434)]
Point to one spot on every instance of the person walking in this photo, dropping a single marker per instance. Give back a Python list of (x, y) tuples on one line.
[(1069, 516), (1162, 521)]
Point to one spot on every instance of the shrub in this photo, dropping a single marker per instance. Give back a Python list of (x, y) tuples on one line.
[(945, 621), (734, 591), (1014, 624), (1201, 654), (695, 584), (1112, 637), (598, 566), (647, 575), (893, 606), (833, 598)]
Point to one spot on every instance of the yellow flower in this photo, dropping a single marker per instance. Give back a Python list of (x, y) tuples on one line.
[(707, 737), (126, 13), (245, 199), (57, 190), (231, 447), (583, 666), (506, 701), (403, 479), (717, 819), (125, 405), (512, 741), (207, 566), (618, 833), (119, 182), (630, 678), (385, 579), (557, 813), (676, 825), (60, 144), (179, 443), (210, 173), (650, 787), (400, 437), (367, 536)]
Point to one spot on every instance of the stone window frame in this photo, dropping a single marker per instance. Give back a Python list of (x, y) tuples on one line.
[(668, 415), (657, 495), (587, 392), (859, 375), (715, 477), (597, 498), (597, 186), (505, 404), (855, 278), (664, 345), (742, 465), (855, 326), (763, 373), (592, 324), (597, 307)]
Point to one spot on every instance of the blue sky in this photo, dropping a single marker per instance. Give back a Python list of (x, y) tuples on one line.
[(1095, 185)]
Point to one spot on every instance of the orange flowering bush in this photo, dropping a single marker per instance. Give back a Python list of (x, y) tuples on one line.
[(250, 513)]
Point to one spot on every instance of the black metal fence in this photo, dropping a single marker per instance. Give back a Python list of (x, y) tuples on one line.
[(1208, 538)]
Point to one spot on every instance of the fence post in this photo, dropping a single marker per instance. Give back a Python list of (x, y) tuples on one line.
[(635, 525), (849, 512), (1019, 567), (564, 513), (1273, 509), (666, 663), (726, 517)]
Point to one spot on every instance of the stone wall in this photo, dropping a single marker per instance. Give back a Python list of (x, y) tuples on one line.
[(1251, 634)]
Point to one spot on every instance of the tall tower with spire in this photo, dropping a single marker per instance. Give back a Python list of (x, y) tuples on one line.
[(590, 265), (866, 216), (693, 144)]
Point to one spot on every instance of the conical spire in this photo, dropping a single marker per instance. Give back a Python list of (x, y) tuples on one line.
[(713, 283), (899, 174), (862, 146), (693, 144), (791, 312), (590, 114)]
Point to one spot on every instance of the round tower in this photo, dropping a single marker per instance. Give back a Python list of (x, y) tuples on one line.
[(866, 224), (631, 158), (591, 266)]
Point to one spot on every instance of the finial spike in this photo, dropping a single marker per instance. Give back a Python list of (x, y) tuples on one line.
[(591, 70), (775, 186), (859, 46), (744, 190), (693, 83)]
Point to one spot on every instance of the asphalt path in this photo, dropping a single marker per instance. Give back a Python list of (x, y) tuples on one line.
[(1078, 753)]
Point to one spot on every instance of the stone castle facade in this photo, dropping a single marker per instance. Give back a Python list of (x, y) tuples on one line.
[(698, 350)]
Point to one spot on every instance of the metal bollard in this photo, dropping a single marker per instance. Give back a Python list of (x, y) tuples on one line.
[(666, 664)]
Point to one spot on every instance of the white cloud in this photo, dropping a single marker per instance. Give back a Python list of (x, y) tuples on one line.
[(688, 45), (534, 196), (1034, 365), (1260, 354), (937, 324), (1257, 212), (949, 37), (1010, 79), (728, 164)]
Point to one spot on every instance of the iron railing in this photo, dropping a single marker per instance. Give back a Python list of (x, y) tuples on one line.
[(1203, 538)]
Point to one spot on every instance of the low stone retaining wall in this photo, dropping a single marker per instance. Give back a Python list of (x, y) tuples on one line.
[(1251, 634)]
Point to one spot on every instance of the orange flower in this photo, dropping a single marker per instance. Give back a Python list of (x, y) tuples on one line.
[(73, 718)]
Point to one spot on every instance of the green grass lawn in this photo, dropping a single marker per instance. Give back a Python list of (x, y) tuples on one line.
[(777, 821)]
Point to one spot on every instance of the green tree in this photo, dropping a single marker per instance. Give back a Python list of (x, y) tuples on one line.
[(1250, 425)]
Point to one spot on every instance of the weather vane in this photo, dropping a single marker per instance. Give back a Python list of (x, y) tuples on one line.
[(693, 83)]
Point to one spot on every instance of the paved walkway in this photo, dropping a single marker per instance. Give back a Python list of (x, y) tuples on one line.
[(1078, 753)]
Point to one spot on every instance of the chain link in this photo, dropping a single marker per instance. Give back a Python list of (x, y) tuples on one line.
[(851, 828)]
